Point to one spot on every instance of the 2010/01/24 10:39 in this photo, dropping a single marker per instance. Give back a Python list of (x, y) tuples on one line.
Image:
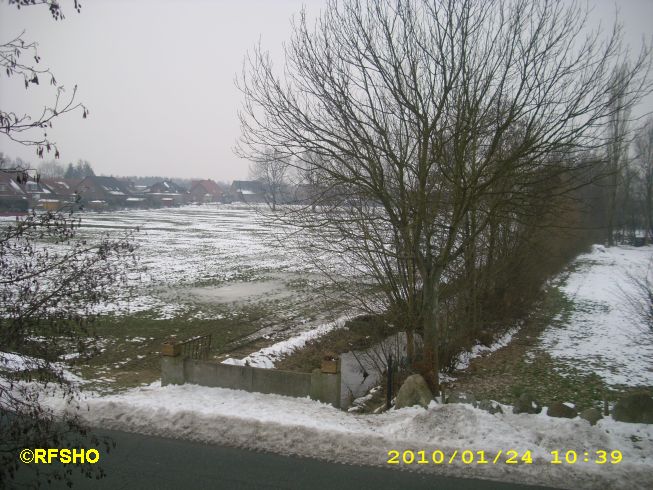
[(510, 457)]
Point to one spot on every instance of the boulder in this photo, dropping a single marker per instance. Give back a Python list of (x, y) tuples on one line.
[(460, 397), (592, 415), (526, 404), (490, 406), (559, 409), (414, 391), (635, 408)]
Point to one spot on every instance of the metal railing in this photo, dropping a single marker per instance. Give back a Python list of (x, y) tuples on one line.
[(196, 347)]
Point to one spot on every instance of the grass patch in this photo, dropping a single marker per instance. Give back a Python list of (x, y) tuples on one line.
[(524, 367), (130, 345), (540, 378)]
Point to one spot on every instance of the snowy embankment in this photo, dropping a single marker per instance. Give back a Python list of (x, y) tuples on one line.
[(307, 428), (267, 356), (602, 335)]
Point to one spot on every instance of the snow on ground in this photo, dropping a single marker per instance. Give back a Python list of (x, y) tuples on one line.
[(12, 362), (266, 357), (16, 362), (601, 335), (308, 428), (191, 245), (479, 349), (190, 251), (214, 262)]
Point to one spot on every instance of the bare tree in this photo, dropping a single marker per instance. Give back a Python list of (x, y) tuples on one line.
[(51, 169), (637, 297), (20, 170), (82, 169), (51, 283), (617, 152), (644, 164), (54, 6), (270, 170), (431, 119)]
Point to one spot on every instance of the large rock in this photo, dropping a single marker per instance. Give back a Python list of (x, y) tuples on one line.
[(414, 391), (559, 409), (460, 397), (636, 408), (490, 406), (526, 404), (592, 415)]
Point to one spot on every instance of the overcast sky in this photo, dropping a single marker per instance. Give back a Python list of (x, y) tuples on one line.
[(158, 77)]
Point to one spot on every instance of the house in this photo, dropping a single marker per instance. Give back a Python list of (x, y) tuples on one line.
[(249, 191), (138, 197), (13, 199), (40, 195), (102, 192), (62, 193), (206, 191), (167, 193)]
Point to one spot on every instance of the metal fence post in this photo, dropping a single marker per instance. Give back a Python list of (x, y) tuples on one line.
[(388, 394)]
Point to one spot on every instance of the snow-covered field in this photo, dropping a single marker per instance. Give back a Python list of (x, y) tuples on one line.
[(600, 334), (200, 255), (199, 259), (216, 261)]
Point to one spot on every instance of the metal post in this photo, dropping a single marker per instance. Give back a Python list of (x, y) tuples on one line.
[(388, 393)]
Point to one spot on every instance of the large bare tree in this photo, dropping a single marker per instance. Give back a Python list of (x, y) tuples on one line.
[(431, 118)]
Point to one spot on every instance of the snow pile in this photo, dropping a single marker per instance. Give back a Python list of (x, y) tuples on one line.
[(14, 363), (601, 335), (307, 428)]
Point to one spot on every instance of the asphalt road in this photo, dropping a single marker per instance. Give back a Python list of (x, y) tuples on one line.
[(140, 461)]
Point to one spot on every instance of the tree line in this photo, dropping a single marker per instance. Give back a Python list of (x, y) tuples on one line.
[(51, 169), (630, 191)]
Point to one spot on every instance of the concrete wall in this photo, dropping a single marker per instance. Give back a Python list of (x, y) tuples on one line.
[(319, 386)]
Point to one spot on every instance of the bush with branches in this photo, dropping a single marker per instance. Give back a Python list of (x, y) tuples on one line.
[(53, 284)]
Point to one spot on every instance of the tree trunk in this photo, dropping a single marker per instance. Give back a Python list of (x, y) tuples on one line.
[(649, 214), (431, 308), (410, 345), (612, 204)]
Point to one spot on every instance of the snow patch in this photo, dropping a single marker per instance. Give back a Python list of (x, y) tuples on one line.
[(601, 336), (478, 350), (266, 357)]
